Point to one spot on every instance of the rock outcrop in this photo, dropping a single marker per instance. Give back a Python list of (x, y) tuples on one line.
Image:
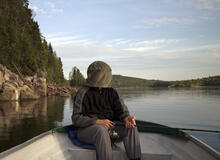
[(63, 91), (9, 85), (14, 87), (40, 83), (9, 92), (27, 93)]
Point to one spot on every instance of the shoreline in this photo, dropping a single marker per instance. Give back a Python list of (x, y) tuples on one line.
[(145, 88)]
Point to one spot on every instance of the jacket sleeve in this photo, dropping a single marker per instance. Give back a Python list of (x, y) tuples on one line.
[(120, 109), (78, 118)]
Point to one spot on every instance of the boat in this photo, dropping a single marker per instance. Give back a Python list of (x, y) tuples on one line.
[(158, 142)]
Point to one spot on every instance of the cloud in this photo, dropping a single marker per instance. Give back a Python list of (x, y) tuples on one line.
[(208, 18), (36, 9), (77, 41), (135, 45), (142, 46), (210, 48), (156, 22), (208, 4), (158, 41), (53, 9), (80, 50), (57, 10), (62, 39), (118, 41), (140, 49), (51, 5), (82, 55), (183, 21), (52, 35), (152, 59), (213, 5), (59, 39), (173, 64), (49, 9)]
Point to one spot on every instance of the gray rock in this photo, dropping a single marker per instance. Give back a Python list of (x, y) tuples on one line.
[(1, 79), (63, 91), (13, 87), (40, 86), (27, 93), (9, 92)]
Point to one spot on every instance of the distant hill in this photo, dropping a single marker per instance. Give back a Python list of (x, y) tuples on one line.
[(119, 81), (200, 82)]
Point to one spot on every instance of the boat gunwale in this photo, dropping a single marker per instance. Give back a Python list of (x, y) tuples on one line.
[(24, 144), (205, 146), (200, 143)]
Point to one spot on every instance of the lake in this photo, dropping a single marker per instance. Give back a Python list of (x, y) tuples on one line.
[(188, 108)]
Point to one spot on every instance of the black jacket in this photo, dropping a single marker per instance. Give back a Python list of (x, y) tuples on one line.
[(91, 103)]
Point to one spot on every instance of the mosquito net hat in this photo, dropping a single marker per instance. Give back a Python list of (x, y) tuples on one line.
[(99, 74)]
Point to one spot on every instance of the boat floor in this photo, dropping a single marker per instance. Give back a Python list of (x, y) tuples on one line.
[(57, 146)]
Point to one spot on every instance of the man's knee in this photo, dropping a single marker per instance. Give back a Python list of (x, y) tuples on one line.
[(131, 129), (132, 133), (101, 131)]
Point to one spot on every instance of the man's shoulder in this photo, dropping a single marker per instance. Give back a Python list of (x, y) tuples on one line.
[(81, 91), (82, 88), (113, 91)]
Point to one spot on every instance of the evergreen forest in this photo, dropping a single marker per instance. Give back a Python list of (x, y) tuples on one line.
[(22, 47)]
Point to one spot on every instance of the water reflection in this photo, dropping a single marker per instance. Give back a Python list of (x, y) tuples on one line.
[(184, 108), (176, 107), (20, 121), (192, 108)]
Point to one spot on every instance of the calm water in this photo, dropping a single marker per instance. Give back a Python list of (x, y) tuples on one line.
[(192, 108)]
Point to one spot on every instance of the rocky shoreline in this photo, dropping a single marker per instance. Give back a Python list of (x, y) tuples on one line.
[(14, 87)]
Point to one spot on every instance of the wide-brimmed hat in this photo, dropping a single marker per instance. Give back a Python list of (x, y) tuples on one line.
[(99, 74)]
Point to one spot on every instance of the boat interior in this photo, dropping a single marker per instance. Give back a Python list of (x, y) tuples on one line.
[(155, 146)]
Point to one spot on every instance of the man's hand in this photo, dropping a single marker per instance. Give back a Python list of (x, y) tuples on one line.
[(130, 122), (104, 122)]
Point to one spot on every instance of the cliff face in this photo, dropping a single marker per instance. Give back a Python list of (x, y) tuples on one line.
[(14, 87)]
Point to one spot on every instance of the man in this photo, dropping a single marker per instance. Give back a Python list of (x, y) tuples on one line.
[(96, 106)]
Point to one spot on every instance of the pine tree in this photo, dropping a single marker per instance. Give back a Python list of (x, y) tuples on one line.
[(76, 78)]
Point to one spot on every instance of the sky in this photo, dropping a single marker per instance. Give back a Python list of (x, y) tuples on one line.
[(151, 39)]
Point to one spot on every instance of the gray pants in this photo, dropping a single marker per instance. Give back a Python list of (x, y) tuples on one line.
[(99, 136)]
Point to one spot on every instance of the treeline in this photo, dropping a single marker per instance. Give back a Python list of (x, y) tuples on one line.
[(119, 81), (76, 79), (21, 44), (131, 82), (207, 81)]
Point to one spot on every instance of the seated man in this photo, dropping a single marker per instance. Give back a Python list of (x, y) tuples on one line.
[(96, 106)]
